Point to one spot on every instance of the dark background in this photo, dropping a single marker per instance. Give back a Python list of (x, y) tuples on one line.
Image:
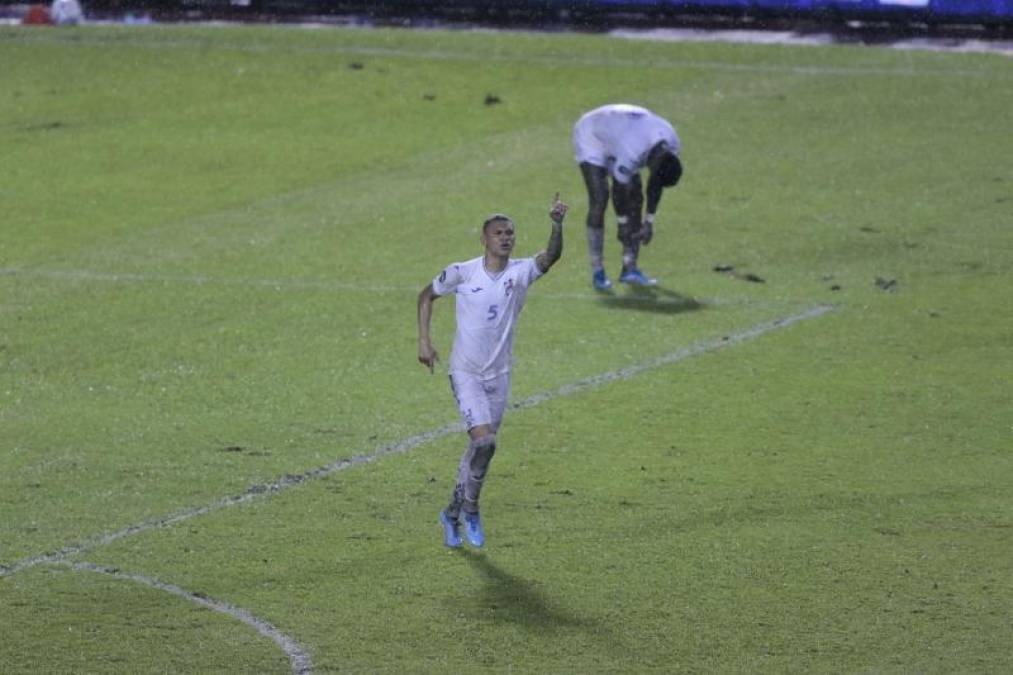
[(992, 17)]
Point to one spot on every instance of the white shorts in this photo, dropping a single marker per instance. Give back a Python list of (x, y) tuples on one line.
[(587, 147), (480, 401)]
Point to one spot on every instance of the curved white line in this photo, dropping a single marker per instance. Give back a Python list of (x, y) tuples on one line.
[(297, 656)]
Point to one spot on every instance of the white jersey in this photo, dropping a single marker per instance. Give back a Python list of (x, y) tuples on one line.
[(487, 310), (66, 12), (619, 137)]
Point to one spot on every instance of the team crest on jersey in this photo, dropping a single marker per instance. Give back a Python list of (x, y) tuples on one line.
[(508, 287), (443, 276)]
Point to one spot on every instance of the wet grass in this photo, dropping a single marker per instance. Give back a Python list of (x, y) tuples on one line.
[(212, 243)]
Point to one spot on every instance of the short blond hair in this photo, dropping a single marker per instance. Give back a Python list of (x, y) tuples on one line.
[(496, 218)]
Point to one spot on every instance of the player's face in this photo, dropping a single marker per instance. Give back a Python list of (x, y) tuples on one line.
[(499, 238)]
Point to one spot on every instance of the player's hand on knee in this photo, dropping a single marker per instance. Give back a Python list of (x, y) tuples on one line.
[(646, 233)]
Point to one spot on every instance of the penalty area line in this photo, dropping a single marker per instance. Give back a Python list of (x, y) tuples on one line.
[(407, 444), (297, 656)]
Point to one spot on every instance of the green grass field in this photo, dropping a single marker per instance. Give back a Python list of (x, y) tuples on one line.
[(212, 242)]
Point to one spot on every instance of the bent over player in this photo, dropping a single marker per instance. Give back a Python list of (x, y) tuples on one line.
[(490, 291), (619, 140)]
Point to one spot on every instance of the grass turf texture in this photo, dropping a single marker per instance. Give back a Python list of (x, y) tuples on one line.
[(213, 238)]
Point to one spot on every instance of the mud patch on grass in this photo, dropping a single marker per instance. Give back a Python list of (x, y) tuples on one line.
[(43, 126), (888, 285), (744, 276)]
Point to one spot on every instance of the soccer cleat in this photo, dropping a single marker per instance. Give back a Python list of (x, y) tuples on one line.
[(635, 277), (451, 531), (600, 281), (473, 529)]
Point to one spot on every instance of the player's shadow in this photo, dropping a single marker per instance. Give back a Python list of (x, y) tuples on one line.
[(510, 599), (650, 299)]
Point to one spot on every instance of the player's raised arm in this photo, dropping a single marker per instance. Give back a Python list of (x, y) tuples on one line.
[(427, 354), (554, 250)]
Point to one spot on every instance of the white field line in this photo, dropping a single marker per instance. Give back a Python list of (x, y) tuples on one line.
[(678, 355), (297, 656), (404, 445), (326, 285), (201, 280), (449, 55)]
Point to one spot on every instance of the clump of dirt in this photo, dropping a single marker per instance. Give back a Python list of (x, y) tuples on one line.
[(888, 285), (744, 276)]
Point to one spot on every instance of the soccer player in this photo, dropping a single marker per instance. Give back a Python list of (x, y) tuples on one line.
[(490, 291), (619, 140), (66, 12)]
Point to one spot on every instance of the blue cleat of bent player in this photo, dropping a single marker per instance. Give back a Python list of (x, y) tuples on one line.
[(635, 277), (473, 529), (600, 281), (451, 531)]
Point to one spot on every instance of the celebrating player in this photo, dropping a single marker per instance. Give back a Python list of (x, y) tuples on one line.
[(619, 140), (490, 291)]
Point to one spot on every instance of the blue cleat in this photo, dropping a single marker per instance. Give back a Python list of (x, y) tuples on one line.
[(473, 530), (635, 277), (451, 531), (600, 281)]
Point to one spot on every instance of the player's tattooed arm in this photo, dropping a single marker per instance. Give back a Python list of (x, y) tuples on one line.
[(554, 250)]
